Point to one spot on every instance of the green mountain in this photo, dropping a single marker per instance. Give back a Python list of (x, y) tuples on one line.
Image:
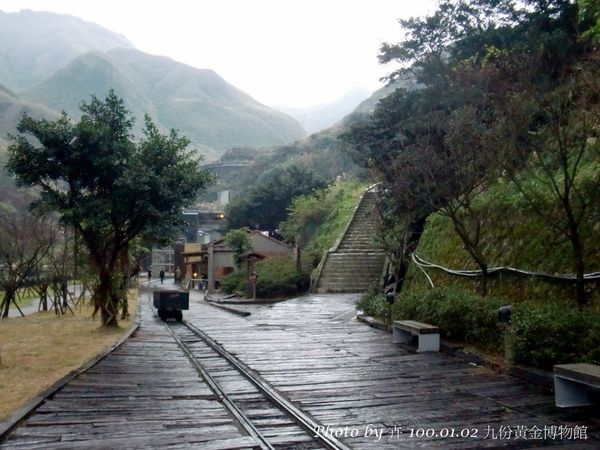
[(11, 108)]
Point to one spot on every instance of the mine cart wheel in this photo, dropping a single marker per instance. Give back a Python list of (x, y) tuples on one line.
[(179, 316), (162, 314)]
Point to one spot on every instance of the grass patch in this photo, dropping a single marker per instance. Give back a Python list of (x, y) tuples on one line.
[(39, 349)]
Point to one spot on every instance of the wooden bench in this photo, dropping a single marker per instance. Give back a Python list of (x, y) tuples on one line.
[(428, 336), (572, 383)]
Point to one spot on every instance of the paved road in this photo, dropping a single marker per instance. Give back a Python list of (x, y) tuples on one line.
[(34, 305), (362, 388)]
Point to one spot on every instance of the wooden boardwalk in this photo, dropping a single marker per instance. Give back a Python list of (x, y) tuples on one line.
[(144, 395), (359, 385), (351, 378)]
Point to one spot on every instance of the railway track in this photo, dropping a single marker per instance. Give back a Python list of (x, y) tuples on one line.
[(259, 409)]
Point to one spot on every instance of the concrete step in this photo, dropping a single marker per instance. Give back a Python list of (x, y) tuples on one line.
[(343, 288), (357, 247), (346, 266), (350, 283), (352, 256), (353, 264), (357, 263)]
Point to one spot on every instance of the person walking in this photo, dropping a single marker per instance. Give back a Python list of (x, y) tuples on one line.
[(162, 276)]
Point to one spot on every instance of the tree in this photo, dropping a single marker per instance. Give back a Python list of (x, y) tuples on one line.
[(395, 145), (24, 242), (266, 205), (557, 162), (457, 30), (240, 242), (107, 187), (440, 146)]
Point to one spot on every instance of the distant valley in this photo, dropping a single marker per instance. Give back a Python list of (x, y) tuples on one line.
[(317, 118)]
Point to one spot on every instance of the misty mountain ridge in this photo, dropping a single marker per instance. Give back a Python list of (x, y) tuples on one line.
[(57, 60), (33, 45), (320, 117), (212, 113)]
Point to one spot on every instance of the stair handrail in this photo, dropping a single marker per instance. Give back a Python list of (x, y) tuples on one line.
[(314, 280)]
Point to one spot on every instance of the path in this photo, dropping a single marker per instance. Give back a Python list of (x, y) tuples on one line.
[(362, 388)]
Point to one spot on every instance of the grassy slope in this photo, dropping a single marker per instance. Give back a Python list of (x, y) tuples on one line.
[(318, 222), (513, 236)]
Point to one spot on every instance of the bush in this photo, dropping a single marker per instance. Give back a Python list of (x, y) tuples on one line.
[(554, 333), (542, 334), (234, 282), (374, 303), (279, 277), (460, 314)]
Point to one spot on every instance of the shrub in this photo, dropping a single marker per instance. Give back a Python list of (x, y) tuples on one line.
[(234, 282), (279, 277), (554, 333), (374, 303), (460, 314), (542, 334)]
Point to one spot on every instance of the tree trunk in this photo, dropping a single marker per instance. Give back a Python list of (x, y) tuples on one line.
[(413, 235), (106, 299), (44, 297), (5, 306), (483, 287), (472, 247), (579, 271), (124, 278), (9, 297)]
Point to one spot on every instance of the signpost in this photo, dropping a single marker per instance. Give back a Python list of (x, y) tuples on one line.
[(253, 279)]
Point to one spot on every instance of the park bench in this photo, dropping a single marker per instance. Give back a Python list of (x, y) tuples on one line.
[(428, 336), (573, 382)]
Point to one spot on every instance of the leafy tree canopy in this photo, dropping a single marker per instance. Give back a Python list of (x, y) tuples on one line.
[(108, 187), (239, 241), (491, 74), (265, 206)]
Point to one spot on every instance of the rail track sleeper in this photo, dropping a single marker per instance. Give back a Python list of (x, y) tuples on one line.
[(240, 417), (304, 420)]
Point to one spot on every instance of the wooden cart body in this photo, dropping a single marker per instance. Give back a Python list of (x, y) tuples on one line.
[(171, 303)]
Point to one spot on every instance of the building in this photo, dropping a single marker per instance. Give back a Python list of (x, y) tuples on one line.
[(216, 259)]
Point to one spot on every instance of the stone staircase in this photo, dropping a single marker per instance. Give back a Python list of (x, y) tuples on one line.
[(355, 263)]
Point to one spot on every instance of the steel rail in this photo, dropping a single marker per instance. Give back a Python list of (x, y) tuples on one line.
[(223, 397), (303, 419)]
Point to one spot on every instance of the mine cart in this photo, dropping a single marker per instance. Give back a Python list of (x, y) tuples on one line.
[(171, 303)]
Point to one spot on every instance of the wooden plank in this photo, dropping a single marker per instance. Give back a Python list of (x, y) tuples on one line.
[(344, 373)]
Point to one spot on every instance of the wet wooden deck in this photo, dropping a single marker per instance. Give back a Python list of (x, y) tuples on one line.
[(144, 395), (375, 394), (365, 390)]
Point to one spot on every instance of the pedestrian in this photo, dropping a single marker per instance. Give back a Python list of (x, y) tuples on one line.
[(162, 276), (149, 275)]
